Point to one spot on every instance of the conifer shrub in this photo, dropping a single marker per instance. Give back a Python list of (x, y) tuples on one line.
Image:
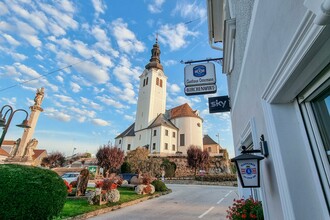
[(30, 192), (159, 186)]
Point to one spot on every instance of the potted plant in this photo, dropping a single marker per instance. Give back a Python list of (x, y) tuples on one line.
[(245, 209)]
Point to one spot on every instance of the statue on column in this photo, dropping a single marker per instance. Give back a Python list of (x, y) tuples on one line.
[(39, 96)]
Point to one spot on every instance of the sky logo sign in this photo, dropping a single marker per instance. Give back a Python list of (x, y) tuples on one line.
[(199, 71)]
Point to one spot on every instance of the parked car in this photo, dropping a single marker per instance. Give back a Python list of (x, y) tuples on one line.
[(127, 176), (70, 177)]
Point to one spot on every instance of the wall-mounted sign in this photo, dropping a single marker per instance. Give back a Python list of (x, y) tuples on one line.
[(248, 168), (219, 104), (199, 74), (203, 89)]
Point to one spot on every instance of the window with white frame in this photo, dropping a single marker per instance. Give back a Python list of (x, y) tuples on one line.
[(315, 106)]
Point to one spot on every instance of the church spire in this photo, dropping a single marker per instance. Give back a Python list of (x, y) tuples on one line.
[(155, 59)]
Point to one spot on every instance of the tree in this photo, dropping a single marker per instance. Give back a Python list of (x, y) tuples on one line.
[(109, 158), (138, 158), (197, 158), (55, 159)]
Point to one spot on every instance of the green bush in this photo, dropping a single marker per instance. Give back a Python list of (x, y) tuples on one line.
[(169, 167), (159, 186), (30, 193), (217, 178), (125, 167)]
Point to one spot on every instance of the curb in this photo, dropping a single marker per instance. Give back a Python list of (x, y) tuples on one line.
[(112, 208)]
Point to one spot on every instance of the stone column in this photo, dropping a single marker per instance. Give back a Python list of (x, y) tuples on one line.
[(28, 132)]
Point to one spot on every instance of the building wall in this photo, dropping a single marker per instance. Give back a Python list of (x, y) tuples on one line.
[(152, 98), (192, 128), (280, 51)]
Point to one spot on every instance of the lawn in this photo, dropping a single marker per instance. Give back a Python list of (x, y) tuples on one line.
[(74, 207)]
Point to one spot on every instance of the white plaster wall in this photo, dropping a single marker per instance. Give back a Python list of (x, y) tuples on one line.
[(169, 140), (151, 100), (287, 185), (193, 132)]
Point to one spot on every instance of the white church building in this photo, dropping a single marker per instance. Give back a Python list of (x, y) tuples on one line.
[(163, 132)]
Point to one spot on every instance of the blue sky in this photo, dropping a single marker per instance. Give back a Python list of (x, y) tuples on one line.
[(89, 55)]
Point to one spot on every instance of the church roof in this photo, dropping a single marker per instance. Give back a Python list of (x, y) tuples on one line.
[(128, 132), (207, 140), (162, 120), (155, 59), (182, 111)]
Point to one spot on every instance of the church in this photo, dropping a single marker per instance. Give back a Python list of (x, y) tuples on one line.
[(163, 132)]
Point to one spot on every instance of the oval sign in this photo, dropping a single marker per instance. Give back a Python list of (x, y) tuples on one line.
[(199, 71)]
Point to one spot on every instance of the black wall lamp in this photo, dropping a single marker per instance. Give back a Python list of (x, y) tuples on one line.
[(248, 166)]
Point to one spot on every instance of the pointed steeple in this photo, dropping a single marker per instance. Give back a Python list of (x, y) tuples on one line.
[(155, 59)]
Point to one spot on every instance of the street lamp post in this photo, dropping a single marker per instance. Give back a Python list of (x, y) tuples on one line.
[(6, 122)]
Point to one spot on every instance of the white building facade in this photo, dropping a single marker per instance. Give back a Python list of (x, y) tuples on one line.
[(163, 132), (277, 61)]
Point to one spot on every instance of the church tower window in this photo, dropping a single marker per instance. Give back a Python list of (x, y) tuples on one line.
[(157, 81), (161, 83), (147, 81), (144, 82)]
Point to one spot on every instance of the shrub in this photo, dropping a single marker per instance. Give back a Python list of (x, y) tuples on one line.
[(245, 209), (125, 167), (159, 186), (169, 167), (217, 178), (30, 192)]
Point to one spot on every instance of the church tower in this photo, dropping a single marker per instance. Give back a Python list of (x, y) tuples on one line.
[(152, 96)]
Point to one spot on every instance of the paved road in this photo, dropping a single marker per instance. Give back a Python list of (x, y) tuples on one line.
[(185, 202)]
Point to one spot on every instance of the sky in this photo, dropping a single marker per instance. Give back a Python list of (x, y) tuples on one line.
[(88, 55)]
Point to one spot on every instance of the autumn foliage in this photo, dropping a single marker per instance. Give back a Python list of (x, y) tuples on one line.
[(197, 158), (109, 158)]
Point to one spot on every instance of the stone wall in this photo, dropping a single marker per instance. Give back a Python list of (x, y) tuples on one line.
[(217, 165)]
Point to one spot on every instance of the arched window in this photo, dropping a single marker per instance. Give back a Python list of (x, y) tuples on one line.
[(161, 83), (157, 81)]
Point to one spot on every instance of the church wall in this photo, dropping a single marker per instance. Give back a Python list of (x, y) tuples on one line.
[(192, 129), (169, 140), (142, 138)]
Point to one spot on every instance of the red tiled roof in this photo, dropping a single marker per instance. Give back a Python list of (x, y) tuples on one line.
[(37, 153), (183, 111), (3, 152)]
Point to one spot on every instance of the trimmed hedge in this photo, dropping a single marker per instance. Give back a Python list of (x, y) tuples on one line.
[(159, 186), (217, 178), (30, 193)]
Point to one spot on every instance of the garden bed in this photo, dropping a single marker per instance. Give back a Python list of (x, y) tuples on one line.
[(81, 209)]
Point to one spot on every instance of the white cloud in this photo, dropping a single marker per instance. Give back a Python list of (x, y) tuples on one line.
[(109, 101), (178, 100), (99, 7), (190, 10), (91, 103), (11, 40), (75, 87), (170, 62), (63, 19), (53, 113), (59, 78), (18, 56), (174, 88), (100, 122), (155, 6), (175, 35), (3, 9), (89, 69), (126, 39), (83, 112), (64, 98), (129, 118), (66, 6)]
